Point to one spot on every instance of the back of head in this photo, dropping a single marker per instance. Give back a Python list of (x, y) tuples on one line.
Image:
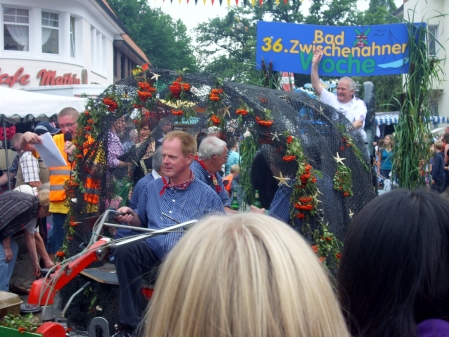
[(243, 275), (211, 146), (15, 140), (188, 142), (395, 264)]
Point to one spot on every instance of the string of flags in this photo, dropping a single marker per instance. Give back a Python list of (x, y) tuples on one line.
[(245, 2)]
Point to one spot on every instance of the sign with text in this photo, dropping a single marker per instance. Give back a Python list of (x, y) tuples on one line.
[(374, 50)]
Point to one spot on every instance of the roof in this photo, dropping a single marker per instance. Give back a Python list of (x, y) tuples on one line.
[(135, 47)]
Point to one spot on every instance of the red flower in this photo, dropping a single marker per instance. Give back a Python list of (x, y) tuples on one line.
[(177, 112), (315, 249), (242, 112), (88, 128), (144, 95), (60, 253), (346, 194), (300, 215), (289, 139), (145, 66), (289, 158), (342, 148), (175, 89), (87, 113), (262, 122), (338, 256), (215, 120), (137, 106), (112, 105), (214, 98), (186, 86)]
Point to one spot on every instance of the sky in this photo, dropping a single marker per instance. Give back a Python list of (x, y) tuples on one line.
[(192, 14)]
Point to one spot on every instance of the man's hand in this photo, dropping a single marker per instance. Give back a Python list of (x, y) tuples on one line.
[(69, 147), (128, 216), (48, 263), (255, 209), (228, 210), (8, 254), (28, 140), (358, 123), (37, 268), (314, 77), (317, 56)]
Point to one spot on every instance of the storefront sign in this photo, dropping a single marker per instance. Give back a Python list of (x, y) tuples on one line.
[(46, 77), (17, 77), (347, 51)]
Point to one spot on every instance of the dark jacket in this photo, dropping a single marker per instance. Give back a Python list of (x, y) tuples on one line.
[(438, 167)]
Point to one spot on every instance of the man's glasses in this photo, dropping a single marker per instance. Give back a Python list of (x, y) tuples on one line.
[(69, 125)]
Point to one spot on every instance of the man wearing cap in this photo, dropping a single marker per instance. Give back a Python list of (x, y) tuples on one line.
[(67, 120), (20, 209)]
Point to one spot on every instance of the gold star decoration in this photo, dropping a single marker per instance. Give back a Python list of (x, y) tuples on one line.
[(226, 111), (275, 135), (282, 179), (339, 160), (316, 195), (351, 214), (155, 76)]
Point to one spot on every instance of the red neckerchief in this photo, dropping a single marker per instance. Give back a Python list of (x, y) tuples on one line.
[(181, 186), (212, 176)]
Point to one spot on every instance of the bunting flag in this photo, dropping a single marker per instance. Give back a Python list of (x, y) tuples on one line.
[(229, 2), (245, 2), (253, 2), (220, 1)]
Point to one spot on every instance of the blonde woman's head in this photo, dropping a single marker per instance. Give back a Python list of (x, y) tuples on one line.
[(243, 275)]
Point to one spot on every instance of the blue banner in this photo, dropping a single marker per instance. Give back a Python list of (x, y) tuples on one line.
[(374, 50)]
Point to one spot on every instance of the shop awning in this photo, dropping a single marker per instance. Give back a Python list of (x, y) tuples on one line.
[(24, 103), (390, 119)]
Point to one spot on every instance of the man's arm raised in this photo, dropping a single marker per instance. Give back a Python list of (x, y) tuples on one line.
[(27, 140), (315, 78)]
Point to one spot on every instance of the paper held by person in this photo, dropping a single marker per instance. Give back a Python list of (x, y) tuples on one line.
[(49, 152)]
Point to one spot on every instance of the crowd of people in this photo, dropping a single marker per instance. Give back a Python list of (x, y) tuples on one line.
[(236, 274)]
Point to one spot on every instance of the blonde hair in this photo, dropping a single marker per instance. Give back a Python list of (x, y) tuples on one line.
[(69, 111), (439, 144), (235, 168), (44, 198), (187, 141), (243, 275)]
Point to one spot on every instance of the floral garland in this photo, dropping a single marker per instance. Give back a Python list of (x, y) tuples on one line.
[(343, 177), (348, 142), (305, 199)]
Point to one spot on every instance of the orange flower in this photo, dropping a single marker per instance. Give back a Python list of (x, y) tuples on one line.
[(145, 66), (88, 128), (315, 249), (214, 98), (262, 122), (307, 167), (144, 95), (215, 120), (289, 139), (137, 106), (90, 121), (313, 180), (242, 112), (289, 158), (60, 253), (199, 109), (177, 112), (186, 86), (175, 89), (91, 198), (322, 258), (328, 238), (346, 194), (216, 91), (112, 105), (338, 256), (21, 329), (300, 215), (87, 113), (143, 85)]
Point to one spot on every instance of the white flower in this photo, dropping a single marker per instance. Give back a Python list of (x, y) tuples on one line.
[(247, 133)]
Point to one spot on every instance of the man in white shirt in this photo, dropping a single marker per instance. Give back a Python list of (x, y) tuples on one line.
[(352, 107)]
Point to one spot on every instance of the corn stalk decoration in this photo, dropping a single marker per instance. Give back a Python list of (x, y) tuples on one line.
[(412, 135)]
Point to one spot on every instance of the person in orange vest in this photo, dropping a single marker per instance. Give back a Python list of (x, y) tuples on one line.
[(67, 120)]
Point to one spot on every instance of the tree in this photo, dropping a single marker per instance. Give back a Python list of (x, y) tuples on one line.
[(333, 12), (379, 12), (162, 39)]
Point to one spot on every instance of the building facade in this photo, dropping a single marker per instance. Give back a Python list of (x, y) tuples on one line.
[(430, 12), (64, 47)]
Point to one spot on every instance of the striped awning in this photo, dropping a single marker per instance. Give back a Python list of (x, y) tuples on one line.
[(393, 119)]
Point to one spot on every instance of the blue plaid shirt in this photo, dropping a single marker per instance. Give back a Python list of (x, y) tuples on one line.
[(195, 202), (15, 164), (202, 174)]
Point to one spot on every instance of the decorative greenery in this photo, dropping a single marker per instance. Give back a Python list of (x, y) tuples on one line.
[(327, 246), (23, 324), (412, 135)]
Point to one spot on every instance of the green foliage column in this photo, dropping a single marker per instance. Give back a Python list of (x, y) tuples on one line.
[(412, 136)]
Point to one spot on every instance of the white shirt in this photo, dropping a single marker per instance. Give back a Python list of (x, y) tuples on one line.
[(354, 110)]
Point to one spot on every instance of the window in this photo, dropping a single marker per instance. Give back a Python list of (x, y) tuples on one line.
[(16, 29), (431, 40), (72, 36), (50, 33)]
